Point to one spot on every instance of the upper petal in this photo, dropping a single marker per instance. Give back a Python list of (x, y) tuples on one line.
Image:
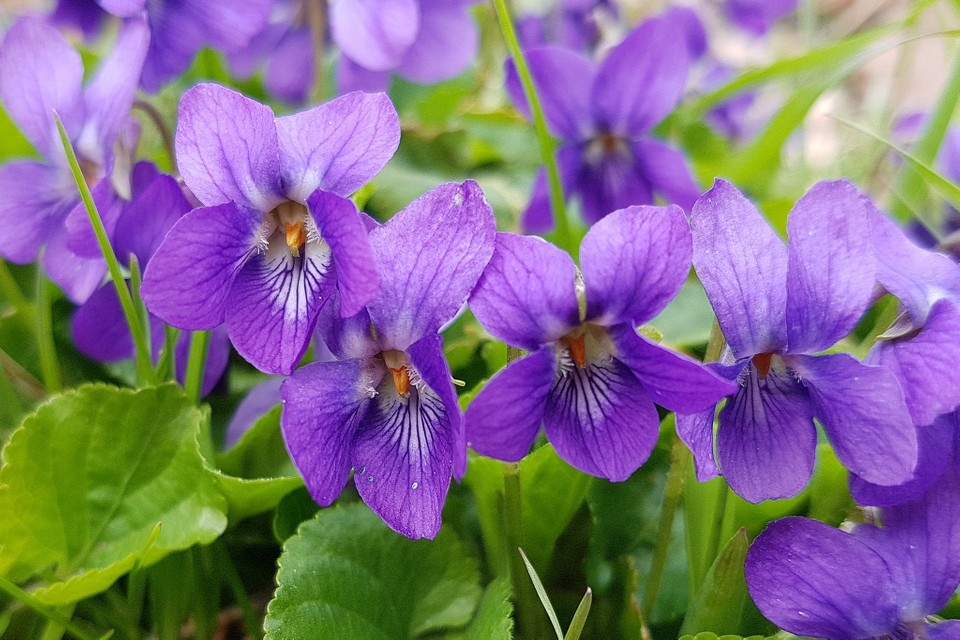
[(600, 419), (766, 441), (562, 79), (527, 293), (502, 420), (338, 146), (227, 149), (642, 79), (39, 74), (375, 33), (864, 415), (831, 268), (145, 221), (110, 95), (634, 262), (430, 256), (743, 267), (446, 43), (916, 276), (813, 580), (188, 280), (322, 406)]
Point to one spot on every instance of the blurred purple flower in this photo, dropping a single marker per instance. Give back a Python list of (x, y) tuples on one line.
[(591, 382), (179, 29), (876, 582), (284, 48), (99, 327), (603, 115), (573, 24), (424, 41), (39, 74), (258, 401), (778, 305), (387, 407), (757, 16), (276, 233)]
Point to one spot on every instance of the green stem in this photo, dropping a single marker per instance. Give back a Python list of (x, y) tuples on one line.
[(113, 265), (229, 573), (679, 459), (53, 615), (527, 605), (317, 19), (195, 363), (145, 372), (910, 180), (9, 287), (539, 123), (49, 365)]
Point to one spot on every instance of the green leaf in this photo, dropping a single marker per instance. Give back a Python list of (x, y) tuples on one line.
[(542, 594), (707, 635), (295, 508), (718, 604), (494, 617), (346, 575), (257, 472), (87, 478)]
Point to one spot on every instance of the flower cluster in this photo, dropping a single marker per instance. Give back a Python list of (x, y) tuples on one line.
[(844, 334)]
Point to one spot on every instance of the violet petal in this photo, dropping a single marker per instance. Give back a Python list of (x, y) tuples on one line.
[(527, 293)]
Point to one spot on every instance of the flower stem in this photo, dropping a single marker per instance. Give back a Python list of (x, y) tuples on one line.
[(557, 204), (526, 604), (52, 614), (229, 572), (317, 19), (910, 182), (9, 287), (49, 364), (113, 265), (679, 459), (145, 372), (193, 383)]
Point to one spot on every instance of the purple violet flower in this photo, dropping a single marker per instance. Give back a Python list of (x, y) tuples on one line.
[(591, 380), (757, 16), (921, 350), (387, 408), (876, 582), (179, 29), (99, 327), (424, 41), (778, 305), (276, 233), (39, 74), (573, 24), (603, 116), (284, 48)]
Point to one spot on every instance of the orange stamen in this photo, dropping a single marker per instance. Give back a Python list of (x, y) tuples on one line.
[(401, 380), (762, 362), (577, 348), (296, 236), (609, 143)]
